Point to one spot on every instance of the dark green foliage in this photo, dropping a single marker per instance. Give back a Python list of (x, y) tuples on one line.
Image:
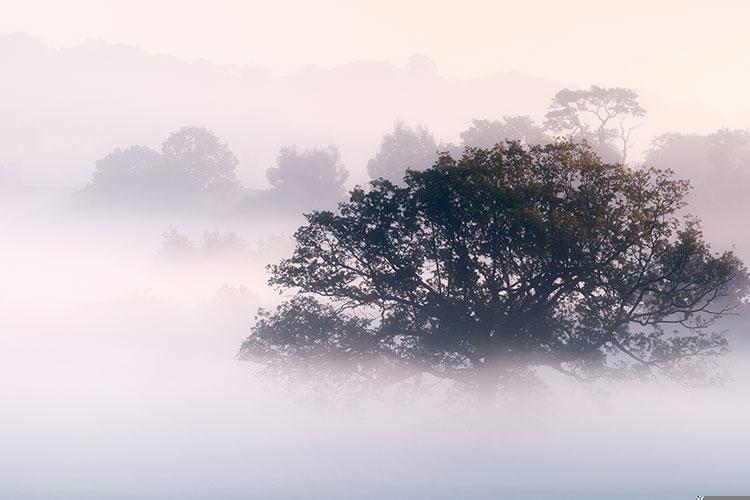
[(510, 258)]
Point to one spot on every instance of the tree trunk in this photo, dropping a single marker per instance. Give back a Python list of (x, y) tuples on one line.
[(487, 390)]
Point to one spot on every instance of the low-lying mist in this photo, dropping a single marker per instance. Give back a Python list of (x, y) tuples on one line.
[(118, 379)]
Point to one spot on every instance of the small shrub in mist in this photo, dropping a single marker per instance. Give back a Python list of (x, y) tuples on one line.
[(216, 242), (487, 270), (212, 243), (176, 244)]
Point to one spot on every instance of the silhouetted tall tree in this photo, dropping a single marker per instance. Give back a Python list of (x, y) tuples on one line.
[(511, 258), (404, 148), (598, 115)]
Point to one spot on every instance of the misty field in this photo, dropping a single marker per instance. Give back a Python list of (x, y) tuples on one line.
[(119, 381), (373, 250)]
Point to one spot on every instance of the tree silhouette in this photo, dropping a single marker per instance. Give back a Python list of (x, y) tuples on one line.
[(598, 115), (404, 148), (509, 259), (485, 133)]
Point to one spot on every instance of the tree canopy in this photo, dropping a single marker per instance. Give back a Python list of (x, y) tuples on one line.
[(508, 259), (486, 133)]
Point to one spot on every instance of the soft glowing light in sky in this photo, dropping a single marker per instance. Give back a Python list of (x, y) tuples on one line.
[(682, 51)]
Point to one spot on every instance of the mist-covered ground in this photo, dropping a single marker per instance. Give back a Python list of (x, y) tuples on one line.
[(118, 381)]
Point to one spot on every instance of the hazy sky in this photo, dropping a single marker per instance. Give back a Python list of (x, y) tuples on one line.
[(681, 50)]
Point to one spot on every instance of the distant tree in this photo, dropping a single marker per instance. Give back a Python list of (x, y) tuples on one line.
[(685, 154), (404, 148), (301, 179), (209, 164), (193, 169), (720, 158), (730, 149), (485, 133), (598, 115), (480, 270), (718, 166), (135, 175)]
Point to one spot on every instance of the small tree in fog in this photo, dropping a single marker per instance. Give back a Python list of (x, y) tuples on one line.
[(404, 148), (512, 258), (176, 244), (486, 133), (212, 243), (601, 116)]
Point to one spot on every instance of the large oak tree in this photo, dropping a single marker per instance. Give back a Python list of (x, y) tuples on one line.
[(508, 259)]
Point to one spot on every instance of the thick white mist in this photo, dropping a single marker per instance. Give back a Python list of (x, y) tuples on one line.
[(118, 381)]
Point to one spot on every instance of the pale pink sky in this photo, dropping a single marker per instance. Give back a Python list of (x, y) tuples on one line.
[(694, 51)]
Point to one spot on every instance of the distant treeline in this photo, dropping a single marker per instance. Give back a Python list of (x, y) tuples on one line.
[(194, 169)]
